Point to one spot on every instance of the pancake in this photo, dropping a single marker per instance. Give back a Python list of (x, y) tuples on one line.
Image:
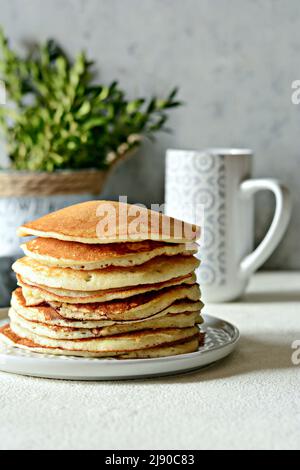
[(179, 320), (44, 313), (133, 308), (8, 337), (164, 351), (36, 294), (96, 222), (112, 344), (159, 269), (52, 252)]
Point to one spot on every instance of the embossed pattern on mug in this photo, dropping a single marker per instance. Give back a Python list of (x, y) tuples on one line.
[(198, 178)]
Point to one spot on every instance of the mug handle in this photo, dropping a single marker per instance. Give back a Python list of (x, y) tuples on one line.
[(278, 226)]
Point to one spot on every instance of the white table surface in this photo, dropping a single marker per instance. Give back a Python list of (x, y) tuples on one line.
[(249, 400)]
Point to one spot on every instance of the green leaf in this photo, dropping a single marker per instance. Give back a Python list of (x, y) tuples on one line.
[(94, 122), (84, 109), (173, 93), (104, 93)]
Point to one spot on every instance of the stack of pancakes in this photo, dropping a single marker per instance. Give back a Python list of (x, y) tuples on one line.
[(85, 291)]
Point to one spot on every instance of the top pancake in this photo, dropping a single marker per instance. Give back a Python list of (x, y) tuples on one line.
[(53, 252), (96, 222)]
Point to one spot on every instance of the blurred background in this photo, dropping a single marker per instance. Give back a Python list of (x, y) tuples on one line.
[(233, 61)]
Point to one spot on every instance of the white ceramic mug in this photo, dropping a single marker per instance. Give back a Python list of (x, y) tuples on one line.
[(218, 180)]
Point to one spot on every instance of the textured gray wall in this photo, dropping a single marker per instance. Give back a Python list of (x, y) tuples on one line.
[(234, 61)]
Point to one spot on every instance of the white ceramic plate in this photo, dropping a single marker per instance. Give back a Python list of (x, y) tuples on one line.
[(221, 339)]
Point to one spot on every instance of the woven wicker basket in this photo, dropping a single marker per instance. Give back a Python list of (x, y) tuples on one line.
[(62, 182), (18, 183)]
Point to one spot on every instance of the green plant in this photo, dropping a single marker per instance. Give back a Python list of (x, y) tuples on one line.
[(57, 117)]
